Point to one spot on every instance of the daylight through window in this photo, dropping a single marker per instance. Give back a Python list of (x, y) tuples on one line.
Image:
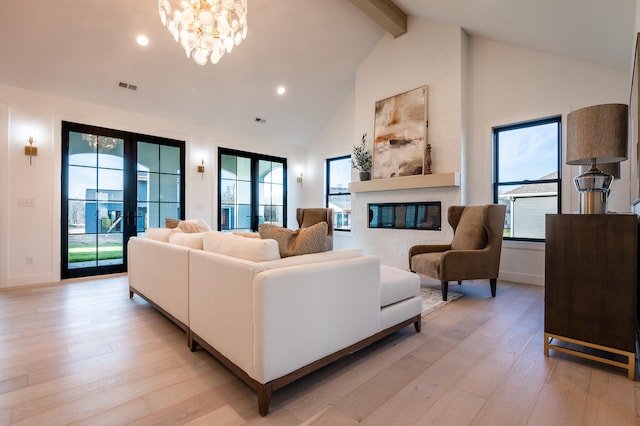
[(527, 175), (338, 196)]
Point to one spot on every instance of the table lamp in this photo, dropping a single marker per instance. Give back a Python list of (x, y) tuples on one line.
[(596, 135)]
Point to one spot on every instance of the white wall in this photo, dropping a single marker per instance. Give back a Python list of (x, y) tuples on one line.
[(334, 140), (509, 84), (35, 231)]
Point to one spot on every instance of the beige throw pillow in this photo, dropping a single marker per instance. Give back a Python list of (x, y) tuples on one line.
[(198, 225), (301, 241)]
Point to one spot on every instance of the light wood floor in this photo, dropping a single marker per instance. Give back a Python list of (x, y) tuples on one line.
[(83, 353)]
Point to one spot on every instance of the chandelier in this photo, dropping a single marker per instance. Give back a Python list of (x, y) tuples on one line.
[(206, 29)]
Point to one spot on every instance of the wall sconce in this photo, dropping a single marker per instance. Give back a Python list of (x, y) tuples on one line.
[(299, 179), (31, 151), (201, 169)]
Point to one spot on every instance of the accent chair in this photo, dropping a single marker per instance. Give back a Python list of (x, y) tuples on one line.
[(474, 252), (310, 216)]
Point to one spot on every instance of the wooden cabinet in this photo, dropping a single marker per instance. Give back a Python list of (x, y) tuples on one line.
[(591, 286)]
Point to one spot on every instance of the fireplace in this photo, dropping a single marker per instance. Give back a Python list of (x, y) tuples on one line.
[(417, 215)]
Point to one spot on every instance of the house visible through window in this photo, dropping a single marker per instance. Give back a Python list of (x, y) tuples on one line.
[(338, 195), (527, 165)]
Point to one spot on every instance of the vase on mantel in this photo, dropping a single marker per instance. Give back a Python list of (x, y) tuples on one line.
[(365, 176)]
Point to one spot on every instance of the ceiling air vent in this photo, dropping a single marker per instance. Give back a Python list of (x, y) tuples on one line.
[(127, 86)]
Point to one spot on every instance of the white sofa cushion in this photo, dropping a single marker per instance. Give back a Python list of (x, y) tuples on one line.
[(397, 284), (312, 258), (254, 249), (160, 234), (192, 240)]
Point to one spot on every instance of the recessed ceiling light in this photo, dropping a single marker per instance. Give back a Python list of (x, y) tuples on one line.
[(142, 40), (280, 90)]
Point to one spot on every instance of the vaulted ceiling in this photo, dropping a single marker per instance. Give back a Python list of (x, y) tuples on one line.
[(82, 49)]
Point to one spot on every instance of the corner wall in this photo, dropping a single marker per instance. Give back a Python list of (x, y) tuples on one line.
[(474, 85), (510, 84)]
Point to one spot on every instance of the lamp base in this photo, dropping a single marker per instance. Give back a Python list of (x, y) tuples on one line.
[(593, 202), (593, 186)]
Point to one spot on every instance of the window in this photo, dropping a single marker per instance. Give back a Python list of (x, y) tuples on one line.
[(338, 196), (251, 190), (527, 166)]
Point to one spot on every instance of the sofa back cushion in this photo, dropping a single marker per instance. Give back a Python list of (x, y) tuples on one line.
[(254, 249), (301, 241), (312, 258), (160, 234), (191, 240)]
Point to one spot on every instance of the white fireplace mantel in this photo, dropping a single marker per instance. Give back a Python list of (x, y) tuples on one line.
[(407, 182)]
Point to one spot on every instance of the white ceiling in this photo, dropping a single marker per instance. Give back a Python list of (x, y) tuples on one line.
[(82, 49)]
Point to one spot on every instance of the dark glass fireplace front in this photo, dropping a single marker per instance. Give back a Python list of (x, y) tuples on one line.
[(421, 215)]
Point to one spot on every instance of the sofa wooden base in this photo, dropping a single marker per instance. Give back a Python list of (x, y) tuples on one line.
[(179, 323), (264, 390)]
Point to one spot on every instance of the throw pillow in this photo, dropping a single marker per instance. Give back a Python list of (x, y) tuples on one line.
[(301, 241), (171, 223), (198, 225)]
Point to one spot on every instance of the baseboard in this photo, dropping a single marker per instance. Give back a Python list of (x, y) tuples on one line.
[(522, 278)]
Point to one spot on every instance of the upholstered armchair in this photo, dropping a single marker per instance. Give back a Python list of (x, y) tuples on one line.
[(474, 252), (311, 216)]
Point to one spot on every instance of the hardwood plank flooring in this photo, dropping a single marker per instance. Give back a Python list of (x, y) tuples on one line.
[(82, 353)]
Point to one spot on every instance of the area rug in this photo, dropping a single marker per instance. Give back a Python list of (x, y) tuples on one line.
[(432, 299)]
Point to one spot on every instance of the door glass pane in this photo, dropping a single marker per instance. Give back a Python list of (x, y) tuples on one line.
[(148, 157), (94, 200), (82, 149), (169, 188), (240, 176), (169, 159), (244, 168), (159, 184)]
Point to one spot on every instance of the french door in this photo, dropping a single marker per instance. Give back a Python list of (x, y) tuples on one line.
[(115, 184), (251, 190)]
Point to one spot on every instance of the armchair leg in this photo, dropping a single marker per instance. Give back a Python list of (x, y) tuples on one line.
[(492, 282), (445, 289)]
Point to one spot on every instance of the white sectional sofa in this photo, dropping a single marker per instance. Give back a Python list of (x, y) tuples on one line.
[(270, 320)]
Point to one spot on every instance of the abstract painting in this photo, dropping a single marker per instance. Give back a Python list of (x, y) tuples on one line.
[(400, 135)]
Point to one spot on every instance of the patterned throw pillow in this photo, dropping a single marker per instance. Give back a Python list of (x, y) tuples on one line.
[(301, 241)]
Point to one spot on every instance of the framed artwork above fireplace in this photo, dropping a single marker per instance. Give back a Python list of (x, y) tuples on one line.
[(400, 135)]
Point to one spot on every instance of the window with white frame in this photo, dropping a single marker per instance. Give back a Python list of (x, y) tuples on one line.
[(337, 190), (527, 175)]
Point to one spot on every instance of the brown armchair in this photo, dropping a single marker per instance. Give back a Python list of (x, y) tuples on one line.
[(474, 252), (311, 216)]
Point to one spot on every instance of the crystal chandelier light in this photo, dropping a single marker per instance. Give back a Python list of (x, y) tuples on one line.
[(205, 28)]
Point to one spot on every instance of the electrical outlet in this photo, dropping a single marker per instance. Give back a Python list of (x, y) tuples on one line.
[(29, 260)]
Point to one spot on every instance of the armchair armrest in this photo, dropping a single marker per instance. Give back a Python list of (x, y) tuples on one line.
[(459, 265), (427, 248)]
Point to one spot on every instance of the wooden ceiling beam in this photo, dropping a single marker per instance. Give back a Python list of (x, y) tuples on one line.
[(385, 13)]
